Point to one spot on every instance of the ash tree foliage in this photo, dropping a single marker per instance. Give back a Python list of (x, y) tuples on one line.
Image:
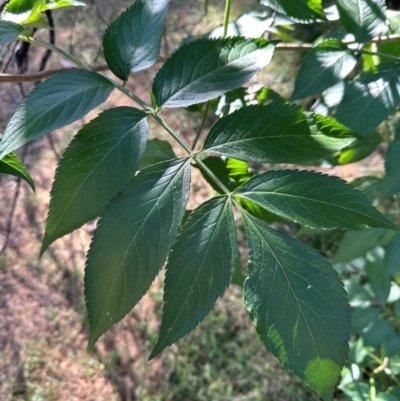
[(140, 189)]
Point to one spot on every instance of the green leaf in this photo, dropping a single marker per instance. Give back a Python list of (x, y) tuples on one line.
[(354, 245), (132, 42), (277, 133), (9, 31), (363, 318), (20, 6), (377, 276), (206, 68), (363, 18), (230, 172), (298, 305), (313, 199), (199, 269), (391, 182), (322, 67), (358, 150), (57, 101), (97, 164), (358, 295), (299, 10), (133, 239), (370, 99), (156, 151), (380, 331), (392, 258), (11, 165), (370, 185)]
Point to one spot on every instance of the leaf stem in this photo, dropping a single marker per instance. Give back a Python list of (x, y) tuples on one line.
[(203, 121), (379, 54), (226, 16), (173, 133), (57, 50)]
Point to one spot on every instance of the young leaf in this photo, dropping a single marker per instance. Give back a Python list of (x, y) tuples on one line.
[(20, 6), (206, 68), (363, 18), (199, 269), (313, 199), (132, 242), (9, 31), (322, 67), (391, 182), (230, 172), (99, 161), (57, 101), (370, 99), (277, 133), (10, 164), (132, 42), (299, 10), (298, 305), (156, 151)]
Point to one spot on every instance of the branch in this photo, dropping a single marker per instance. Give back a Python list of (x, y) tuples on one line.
[(19, 78)]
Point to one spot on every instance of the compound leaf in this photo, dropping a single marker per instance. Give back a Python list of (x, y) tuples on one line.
[(299, 10), (206, 68), (313, 199), (298, 305), (132, 242), (363, 18), (277, 133), (391, 182), (57, 101), (132, 42), (11, 165), (199, 269), (370, 99), (9, 31), (322, 67), (99, 161)]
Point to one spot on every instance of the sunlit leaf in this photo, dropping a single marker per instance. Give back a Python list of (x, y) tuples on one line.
[(57, 101), (299, 10), (206, 68)]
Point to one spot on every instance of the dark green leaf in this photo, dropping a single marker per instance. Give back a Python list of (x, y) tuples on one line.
[(132, 242), (277, 133), (98, 163), (377, 276), (298, 305), (199, 269), (207, 68), (363, 18), (370, 99), (391, 182), (57, 101), (358, 295), (230, 172), (355, 244), (299, 10), (392, 258), (132, 42), (9, 31), (370, 185), (257, 211), (313, 199), (380, 331), (10, 164), (322, 67), (156, 151)]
